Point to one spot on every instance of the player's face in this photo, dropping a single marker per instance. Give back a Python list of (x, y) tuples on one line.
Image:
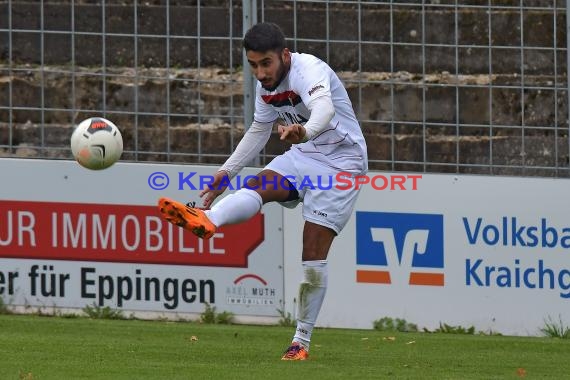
[(269, 67)]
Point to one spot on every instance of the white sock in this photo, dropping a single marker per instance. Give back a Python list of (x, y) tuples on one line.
[(235, 208), (312, 292)]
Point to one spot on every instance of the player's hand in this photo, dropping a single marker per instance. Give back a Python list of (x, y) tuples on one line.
[(212, 191), (293, 133)]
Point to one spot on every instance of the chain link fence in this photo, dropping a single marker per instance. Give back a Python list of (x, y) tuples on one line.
[(464, 86)]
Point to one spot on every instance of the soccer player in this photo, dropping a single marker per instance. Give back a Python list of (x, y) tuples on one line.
[(316, 116)]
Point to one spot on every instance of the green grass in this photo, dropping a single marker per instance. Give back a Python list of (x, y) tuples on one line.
[(34, 347)]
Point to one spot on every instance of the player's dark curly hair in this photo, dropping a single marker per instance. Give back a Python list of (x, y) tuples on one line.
[(263, 37)]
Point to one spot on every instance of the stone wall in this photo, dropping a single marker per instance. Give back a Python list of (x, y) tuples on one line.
[(453, 131), (472, 29)]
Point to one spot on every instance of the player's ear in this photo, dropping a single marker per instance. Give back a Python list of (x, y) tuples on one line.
[(286, 55)]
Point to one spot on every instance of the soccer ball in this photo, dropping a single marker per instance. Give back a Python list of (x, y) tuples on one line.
[(96, 143)]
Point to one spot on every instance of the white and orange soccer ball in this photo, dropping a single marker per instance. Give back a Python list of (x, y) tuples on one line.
[(96, 143)]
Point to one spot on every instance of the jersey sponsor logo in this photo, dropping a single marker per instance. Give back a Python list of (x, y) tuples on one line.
[(282, 99), (400, 248), (292, 118)]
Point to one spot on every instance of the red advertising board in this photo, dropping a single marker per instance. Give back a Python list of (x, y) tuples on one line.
[(118, 233)]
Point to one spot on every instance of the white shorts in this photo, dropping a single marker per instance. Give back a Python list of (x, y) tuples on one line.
[(323, 202)]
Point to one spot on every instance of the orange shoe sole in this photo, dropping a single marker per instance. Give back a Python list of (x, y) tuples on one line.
[(295, 352), (189, 218)]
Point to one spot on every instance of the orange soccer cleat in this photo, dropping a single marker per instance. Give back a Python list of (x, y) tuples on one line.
[(295, 352), (190, 218)]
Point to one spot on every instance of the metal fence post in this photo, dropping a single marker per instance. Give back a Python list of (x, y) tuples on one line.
[(249, 19), (567, 65)]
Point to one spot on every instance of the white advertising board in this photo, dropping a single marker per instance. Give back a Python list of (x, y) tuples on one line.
[(71, 238), (488, 252)]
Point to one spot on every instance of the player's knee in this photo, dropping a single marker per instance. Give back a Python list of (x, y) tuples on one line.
[(314, 254)]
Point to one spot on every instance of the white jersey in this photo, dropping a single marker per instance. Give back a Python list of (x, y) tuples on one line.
[(341, 145)]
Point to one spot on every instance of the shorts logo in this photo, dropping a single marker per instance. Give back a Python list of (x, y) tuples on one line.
[(319, 213), (400, 248)]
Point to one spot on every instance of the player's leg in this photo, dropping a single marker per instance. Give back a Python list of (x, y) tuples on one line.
[(317, 240), (267, 186), (326, 210), (237, 207)]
